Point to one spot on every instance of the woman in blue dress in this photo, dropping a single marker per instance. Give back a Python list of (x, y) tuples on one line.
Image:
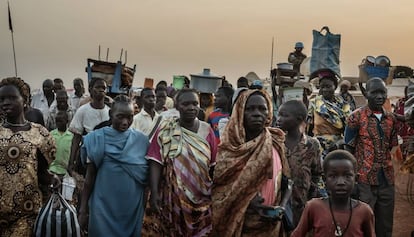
[(116, 176)]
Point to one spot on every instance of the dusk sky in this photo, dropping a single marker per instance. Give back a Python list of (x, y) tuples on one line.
[(181, 37)]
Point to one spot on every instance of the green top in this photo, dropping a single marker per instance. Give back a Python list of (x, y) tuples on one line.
[(63, 145)]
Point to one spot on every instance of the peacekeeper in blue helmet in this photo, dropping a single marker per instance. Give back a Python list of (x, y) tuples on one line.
[(297, 57)]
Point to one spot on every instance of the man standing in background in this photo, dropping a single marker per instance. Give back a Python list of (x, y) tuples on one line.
[(148, 119), (371, 134), (79, 94), (44, 99), (58, 85)]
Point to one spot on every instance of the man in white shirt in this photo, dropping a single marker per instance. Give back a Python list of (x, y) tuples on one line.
[(148, 119), (88, 116), (78, 95), (44, 99)]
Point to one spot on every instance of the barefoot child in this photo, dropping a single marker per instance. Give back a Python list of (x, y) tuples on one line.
[(116, 176), (337, 215)]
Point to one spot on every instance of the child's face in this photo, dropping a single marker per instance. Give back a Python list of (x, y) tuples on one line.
[(376, 95), (122, 116), (340, 178), (344, 89), (62, 102), (286, 119), (148, 99), (61, 122), (205, 100), (220, 100)]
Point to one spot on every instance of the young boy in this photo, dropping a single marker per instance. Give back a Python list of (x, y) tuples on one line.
[(60, 104), (63, 139), (222, 109), (303, 154), (371, 134), (116, 176), (339, 214)]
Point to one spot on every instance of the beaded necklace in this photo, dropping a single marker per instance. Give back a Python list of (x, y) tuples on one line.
[(338, 230)]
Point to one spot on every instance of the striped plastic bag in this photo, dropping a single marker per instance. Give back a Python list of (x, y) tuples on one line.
[(57, 218)]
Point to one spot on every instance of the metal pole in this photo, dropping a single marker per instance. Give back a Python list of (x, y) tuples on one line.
[(120, 57), (271, 59)]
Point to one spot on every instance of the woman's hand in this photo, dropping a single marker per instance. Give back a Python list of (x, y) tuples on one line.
[(55, 182), (83, 218), (155, 202), (256, 203)]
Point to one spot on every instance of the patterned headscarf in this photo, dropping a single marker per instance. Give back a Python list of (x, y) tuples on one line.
[(243, 167), (234, 132)]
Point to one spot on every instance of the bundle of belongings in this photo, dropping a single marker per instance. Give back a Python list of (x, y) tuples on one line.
[(376, 67), (106, 70)]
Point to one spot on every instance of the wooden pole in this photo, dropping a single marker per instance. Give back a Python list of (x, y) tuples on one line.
[(14, 54), (12, 35)]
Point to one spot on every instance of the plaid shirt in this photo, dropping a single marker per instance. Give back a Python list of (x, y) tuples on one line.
[(373, 140)]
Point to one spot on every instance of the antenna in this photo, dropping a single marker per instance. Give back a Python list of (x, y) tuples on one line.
[(120, 57), (271, 58)]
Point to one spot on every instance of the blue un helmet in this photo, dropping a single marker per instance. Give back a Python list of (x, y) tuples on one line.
[(299, 45)]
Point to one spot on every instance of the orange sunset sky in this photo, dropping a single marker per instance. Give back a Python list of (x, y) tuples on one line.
[(53, 38)]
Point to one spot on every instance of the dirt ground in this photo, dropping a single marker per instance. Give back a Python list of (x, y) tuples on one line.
[(404, 208)]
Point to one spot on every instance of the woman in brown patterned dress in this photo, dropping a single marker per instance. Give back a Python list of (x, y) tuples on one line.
[(25, 151)]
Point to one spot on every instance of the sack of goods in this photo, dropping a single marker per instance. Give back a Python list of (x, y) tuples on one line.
[(57, 218), (325, 51)]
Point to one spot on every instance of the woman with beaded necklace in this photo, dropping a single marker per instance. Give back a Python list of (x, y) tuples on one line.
[(26, 149)]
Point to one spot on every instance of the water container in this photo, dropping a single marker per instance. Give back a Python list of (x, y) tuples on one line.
[(178, 82), (205, 82), (68, 186)]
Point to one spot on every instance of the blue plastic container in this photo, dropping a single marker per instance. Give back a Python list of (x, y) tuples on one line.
[(374, 71)]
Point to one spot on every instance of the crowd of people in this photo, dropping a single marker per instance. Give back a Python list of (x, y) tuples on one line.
[(168, 162)]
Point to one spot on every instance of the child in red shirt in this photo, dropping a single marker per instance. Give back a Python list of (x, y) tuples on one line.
[(339, 214)]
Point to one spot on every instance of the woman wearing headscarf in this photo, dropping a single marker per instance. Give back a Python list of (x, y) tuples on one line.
[(327, 112), (248, 174)]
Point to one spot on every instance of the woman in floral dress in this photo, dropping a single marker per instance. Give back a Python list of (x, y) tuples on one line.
[(26, 149)]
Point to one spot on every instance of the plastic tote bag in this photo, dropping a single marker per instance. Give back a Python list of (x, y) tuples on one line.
[(325, 51), (57, 218)]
